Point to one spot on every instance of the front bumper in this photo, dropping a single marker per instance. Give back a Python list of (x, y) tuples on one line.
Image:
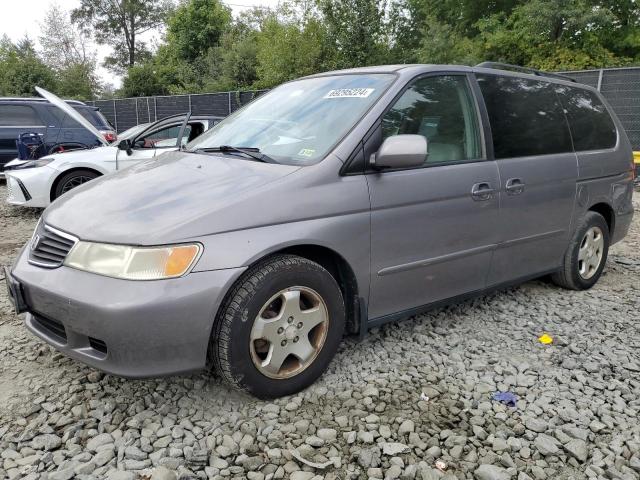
[(30, 187), (129, 328)]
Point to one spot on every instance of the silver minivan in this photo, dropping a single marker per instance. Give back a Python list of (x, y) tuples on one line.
[(330, 205)]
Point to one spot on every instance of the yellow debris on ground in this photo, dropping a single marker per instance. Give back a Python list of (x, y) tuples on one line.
[(545, 338)]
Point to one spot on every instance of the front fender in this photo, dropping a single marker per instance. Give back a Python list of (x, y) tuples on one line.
[(66, 166), (347, 235)]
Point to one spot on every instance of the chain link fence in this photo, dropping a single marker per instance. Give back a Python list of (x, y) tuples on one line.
[(125, 113), (620, 86)]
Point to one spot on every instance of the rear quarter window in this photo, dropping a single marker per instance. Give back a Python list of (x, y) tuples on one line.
[(94, 116), (526, 117), (591, 125)]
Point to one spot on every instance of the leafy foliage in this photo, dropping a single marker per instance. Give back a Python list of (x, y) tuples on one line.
[(120, 23), (21, 70), (206, 49)]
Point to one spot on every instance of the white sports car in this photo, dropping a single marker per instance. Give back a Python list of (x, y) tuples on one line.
[(36, 183)]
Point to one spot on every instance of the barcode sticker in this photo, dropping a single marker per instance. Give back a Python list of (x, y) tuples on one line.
[(349, 93)]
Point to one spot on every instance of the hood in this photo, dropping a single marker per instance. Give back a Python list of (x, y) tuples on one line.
[(69, 110), (180, 196)]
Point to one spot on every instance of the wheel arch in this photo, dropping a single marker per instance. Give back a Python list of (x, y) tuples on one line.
[(340, 269), (607, 212), (334, 263), (61, 174)]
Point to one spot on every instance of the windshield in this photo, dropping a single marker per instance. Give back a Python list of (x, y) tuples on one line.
[(301, 121), (133, 131)]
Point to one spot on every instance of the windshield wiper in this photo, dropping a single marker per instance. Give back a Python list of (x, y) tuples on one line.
[(252, 152)]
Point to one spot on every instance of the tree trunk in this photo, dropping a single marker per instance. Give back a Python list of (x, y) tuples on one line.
[(132, 44)]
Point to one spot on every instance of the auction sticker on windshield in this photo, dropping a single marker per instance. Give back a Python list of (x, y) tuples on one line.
[(350, 93)]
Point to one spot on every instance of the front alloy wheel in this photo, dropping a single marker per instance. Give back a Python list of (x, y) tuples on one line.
[(279, 327), (71, 180), (289, 332)]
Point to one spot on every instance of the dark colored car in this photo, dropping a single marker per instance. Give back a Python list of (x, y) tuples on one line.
[(58, 130)]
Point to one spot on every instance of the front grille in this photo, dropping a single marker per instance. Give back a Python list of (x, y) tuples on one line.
[(49, 247), (51, 327)]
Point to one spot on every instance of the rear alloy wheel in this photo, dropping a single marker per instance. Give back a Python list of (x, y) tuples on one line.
[(279, 327), (587, 254), (590, 252), (73, 179)]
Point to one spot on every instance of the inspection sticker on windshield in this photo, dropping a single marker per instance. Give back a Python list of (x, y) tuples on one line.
[(349, 93), (306, 152)]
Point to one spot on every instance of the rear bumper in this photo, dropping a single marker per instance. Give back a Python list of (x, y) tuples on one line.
[(622, 225), (128, 328)]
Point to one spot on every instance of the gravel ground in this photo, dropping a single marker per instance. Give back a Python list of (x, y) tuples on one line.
[(413, 400)]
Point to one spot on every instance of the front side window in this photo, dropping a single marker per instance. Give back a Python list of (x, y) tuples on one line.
[(526, 117), (591, 125), (299, 122), (165, 137), (442, 110), (18, 116)]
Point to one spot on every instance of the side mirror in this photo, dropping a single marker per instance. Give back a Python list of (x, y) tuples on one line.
[(401, 151), (125, 145)]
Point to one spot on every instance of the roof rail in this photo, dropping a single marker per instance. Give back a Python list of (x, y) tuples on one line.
[(517, 68), (37, 99)]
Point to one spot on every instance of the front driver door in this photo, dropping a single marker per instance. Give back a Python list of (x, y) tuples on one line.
[(433, 228)]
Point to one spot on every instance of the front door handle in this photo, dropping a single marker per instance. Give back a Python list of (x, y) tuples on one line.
[(482, 191), (514, 186)]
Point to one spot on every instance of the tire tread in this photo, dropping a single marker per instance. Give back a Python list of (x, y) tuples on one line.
[(231, 307)]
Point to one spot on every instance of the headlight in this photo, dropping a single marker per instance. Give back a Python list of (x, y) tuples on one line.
[(133, 263), (41, 162)]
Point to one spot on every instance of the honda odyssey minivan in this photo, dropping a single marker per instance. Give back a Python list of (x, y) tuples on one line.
[(330, 205)]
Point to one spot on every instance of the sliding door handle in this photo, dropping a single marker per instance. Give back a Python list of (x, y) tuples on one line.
[(514, 186), (482, 191)]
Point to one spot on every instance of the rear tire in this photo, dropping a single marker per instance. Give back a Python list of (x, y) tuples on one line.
[(279, 327), (71, 180), (586, 256)]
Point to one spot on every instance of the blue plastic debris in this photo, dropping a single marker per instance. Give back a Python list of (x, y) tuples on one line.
[(508, 398)]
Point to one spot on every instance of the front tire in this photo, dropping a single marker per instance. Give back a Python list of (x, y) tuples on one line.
[(71, 180), (586, 256), (279, 327)]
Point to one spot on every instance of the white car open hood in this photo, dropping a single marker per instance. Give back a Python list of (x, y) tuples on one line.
[(69, 110)]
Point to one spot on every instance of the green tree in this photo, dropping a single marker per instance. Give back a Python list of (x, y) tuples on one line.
[(78, 81), (197, 26), (21, 70), (120, 23), (290, 46), (232, 65), (144, 80), (551, 34), (357, 30), (68, 52)]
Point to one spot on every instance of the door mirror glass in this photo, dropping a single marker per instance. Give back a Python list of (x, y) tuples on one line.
[(401, 151), (125, 145)]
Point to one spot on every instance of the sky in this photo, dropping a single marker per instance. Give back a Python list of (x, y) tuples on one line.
[(17, 21)]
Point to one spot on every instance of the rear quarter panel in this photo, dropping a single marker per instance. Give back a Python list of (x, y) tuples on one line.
[(604, 177)]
